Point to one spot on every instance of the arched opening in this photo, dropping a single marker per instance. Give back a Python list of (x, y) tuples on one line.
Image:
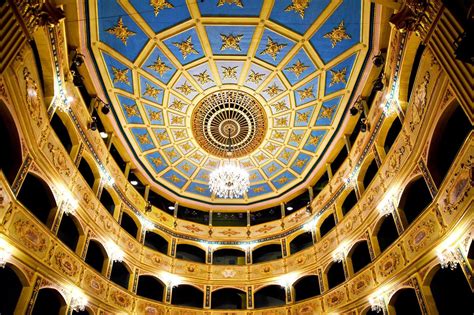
[(270, 296), (335, 274), (156, 242), (10, 290), (150, 287), (302, 241), (327, 225), (369, 311), (266, 253), (306, 287), (128, 224), (387, 232), (415, 198), (68, 232), (392, 134), (84, 312), (190, 253), (107, 201), (187, 295), (48, 301), (37, 197), (96, 255), (10, 159), (370, 173), (228, 256), (451, 292), (86, 172), (349, 202), (61, 131), (405, 301), (120, 274), (359, 256), (450, 133), (228, 299)]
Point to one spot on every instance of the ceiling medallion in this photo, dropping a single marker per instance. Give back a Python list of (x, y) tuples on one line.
[(229, 111)]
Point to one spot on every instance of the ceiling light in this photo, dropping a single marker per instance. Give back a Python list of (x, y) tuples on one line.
[(289, 208), (93, 123), (134, 182), (5, 253), (105, 108), (229, 180), (171, 208), (103, 135)]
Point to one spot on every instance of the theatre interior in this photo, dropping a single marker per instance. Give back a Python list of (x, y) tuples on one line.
[(236, 157)]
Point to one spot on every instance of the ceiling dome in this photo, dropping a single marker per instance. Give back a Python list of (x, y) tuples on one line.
[(277, 74)]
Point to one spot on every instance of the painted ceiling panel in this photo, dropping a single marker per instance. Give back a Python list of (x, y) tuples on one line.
[(292, 59)]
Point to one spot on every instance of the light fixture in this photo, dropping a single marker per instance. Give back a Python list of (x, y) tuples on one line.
[(364, 125), (70, 204), (171, 208), (448, 258), (78, 300), (147, 225), (78, 59), (289, 208), (170, 279), (229, 180), (287, 280), (5, 252), (93, 123), (103, 135), (105, 108), (378, 60), (134, 182), (378, 83), (340, 253), (115, 253), (376, 303)]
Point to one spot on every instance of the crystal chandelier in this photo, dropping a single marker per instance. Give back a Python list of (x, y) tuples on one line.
[(229, 180)]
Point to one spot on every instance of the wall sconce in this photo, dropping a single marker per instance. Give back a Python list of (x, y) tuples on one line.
[(147, 206), (377, 303), (77, 79), (70, 204), (340, 253), (5, 253), (114, 251), (449, 257), (364, 124), (287, 279), (170, 279), (77, 59), (78, 300), (351, 180), (358, 106), (93, 123), (147, 225), (378, 60), (386, 206), (378, 84)]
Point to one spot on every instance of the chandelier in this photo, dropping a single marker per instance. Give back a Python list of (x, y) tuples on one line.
[(229, 180)]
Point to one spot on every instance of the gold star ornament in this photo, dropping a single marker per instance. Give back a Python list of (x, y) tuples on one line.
[(337, 34), (159, 5), (151, 91), (255, 77), (203, 77), (299, 6), (121, 31), (186, 89), (230, 2), (306, 93), (273, 90), (231, 41), (186, 47), (159, 66), (229, 72), (297, 68), (272, 48), (132, 110), (120, 75), (338, 76)]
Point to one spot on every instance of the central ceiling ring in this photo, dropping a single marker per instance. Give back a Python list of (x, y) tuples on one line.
[(224, 111)]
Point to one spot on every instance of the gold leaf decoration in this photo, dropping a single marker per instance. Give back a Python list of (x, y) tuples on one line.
[(121, 31), (273, 90), (159, 66), (151, 91), (231, 41), (185, 88), (337, 34), (203, 77), (255, 77), (306, 93), (229, 72), (186, 47), (272, 48), (299, 6), (236, 2), (338, 76), (120, 75), (297, 68), (159, 5)]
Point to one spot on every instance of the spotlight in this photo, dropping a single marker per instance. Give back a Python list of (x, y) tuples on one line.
[(93, 124), (134, 182), (77, 79), (363, 124), (104, 135), (378, 84), (289, 208), (148, 206), (78, 59), (354, 110), (105, 108), (378, 60)]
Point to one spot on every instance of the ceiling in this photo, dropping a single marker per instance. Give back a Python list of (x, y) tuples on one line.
[(298, 59)]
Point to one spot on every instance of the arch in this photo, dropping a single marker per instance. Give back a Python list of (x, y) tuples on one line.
[(69, 231), (386, 232), (267, 252), (349, 202), (107, 201), (9, 294), (187, 295), (369, 173), (451, 291), (404, 301), (65, 136), (96, 256), (10, 159), (228, 256), (120, 274), (335, 274), (415, 198), (228, 299), (88, 171), (38, 198), (150, 287), (306, 287), (300, 242), (327, 225), (269, 296), (129, 224), (156, 242), (49, 301), (359, 256), (450, 133), (190, 253)]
